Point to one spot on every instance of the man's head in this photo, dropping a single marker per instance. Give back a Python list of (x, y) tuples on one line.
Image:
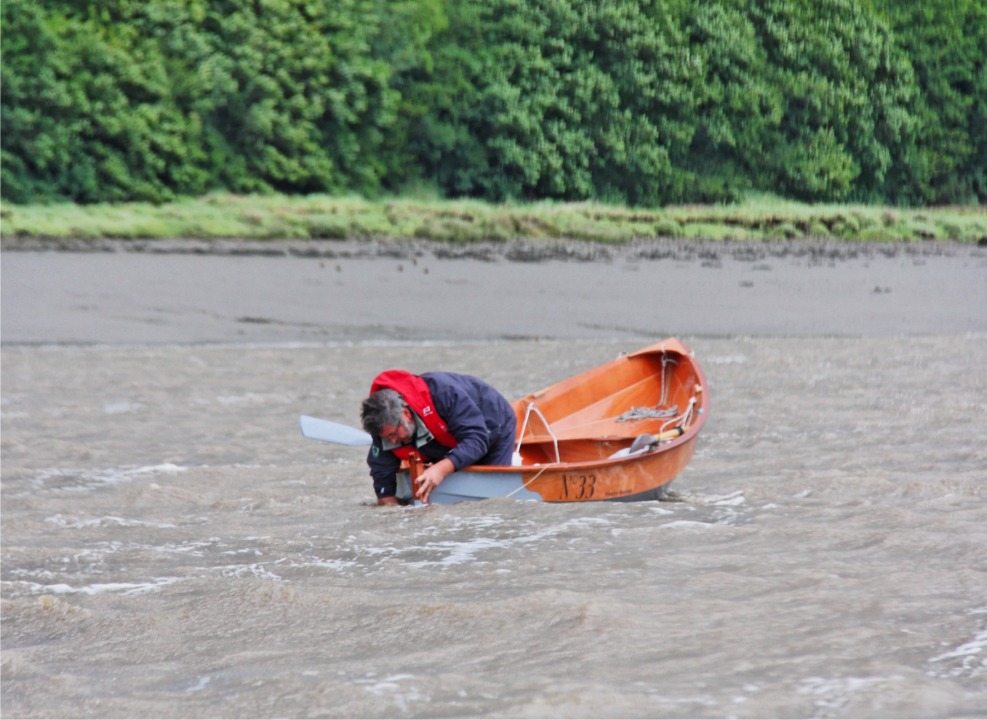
[(385, 415)]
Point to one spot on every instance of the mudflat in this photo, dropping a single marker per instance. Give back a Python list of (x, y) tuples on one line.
[(194, 292)]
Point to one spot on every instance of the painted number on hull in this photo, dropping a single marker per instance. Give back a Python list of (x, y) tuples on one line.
[(578, 487)]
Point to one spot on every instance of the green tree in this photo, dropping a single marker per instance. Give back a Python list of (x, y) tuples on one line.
[(739, 103), (946, 42), (555, 99), (87, 111), (644, 102), (123, 99), (845, 96), (288, 95), (405, 44)]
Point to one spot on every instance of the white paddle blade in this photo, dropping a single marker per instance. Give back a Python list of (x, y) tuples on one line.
[(318, 429)]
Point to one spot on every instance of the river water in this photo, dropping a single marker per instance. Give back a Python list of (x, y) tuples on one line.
[(173, 547)]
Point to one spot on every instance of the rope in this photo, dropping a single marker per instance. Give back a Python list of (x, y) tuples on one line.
[(683, 420), (656, 411), (533, 478), (548, 429), (665, 360)]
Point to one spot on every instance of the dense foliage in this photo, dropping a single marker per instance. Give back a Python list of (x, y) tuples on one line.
[(644, 102), (946, 43)]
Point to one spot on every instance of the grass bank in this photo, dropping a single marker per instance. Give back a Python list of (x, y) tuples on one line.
[(273, 218)]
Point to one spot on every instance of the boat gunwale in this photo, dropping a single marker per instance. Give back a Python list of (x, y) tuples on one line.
[(672, 345), (664, 448)]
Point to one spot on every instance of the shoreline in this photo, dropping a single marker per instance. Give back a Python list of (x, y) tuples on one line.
[(518, 250)]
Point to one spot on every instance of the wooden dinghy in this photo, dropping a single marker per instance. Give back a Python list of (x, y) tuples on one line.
[(621, 431)]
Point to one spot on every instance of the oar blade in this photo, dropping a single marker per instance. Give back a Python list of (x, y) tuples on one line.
[(319, 429)]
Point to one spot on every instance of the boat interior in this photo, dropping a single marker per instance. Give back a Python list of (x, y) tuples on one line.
[(601, 412)]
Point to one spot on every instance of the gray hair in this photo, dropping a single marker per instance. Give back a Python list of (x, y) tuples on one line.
[(384, 407)]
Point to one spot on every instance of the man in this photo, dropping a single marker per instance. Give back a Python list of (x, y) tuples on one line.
[(451, 420)]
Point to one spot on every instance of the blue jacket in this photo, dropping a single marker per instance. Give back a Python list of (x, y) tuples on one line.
[(479, 418)]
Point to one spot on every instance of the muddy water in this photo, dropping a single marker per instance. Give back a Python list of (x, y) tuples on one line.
[(172, 546)]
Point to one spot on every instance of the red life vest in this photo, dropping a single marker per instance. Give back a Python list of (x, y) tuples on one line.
[(415, 392)]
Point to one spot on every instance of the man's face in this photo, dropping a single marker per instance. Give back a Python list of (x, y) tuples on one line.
[(401, 433)]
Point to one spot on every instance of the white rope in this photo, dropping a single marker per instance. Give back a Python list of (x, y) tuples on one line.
[(533, 478), (683, 420), (548, 429)]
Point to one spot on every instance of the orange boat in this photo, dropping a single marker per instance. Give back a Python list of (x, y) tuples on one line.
[(621, 431)]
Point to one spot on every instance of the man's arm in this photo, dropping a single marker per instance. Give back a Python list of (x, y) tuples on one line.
[(383, 468)]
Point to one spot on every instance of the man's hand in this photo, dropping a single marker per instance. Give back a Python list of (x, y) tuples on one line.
[(431, 477)]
